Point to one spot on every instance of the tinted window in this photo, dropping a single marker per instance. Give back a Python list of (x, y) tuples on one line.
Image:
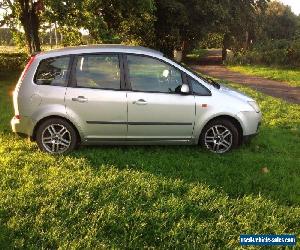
[(148, 74), (198, 88), (98, 71), (53, 71)]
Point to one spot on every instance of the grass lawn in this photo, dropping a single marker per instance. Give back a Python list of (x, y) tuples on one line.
[(197, 54), (290, 76), (155, 196)]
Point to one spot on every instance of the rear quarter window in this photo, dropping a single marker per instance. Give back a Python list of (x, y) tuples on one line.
[(53, 71)]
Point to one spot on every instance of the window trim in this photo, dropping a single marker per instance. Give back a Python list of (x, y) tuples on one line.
[(68, 71), (72, 80), (189, 78), (128, 83)]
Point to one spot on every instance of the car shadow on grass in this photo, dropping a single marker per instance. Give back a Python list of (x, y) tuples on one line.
[(264, 167)]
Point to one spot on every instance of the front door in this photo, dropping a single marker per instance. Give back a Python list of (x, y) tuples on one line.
[(95, 99), (156, 108)]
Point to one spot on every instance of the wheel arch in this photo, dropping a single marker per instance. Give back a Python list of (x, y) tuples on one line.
[(232, 119), (33, 137)]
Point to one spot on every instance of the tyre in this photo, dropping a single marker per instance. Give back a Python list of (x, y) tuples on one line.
[(219, 136), (56, 136)]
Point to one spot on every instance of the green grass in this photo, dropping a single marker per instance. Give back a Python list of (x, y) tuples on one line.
[(290, 76), (155, 196), (197, 54), (9, 49)]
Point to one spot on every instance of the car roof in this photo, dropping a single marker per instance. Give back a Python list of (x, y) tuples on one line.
[(116, 48)]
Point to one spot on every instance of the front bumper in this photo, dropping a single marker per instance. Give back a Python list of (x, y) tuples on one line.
[(22, 125), (250, 122), (247, 138)]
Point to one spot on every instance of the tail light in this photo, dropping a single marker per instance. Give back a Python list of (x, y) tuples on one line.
[(27, 67)]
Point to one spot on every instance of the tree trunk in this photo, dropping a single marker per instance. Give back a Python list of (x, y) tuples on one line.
[(184, 48), (226, 44), (246, 46), (50, 35), (55, 34), (30, 22), (35, 24)]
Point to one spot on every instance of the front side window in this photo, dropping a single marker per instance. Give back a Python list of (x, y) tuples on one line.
[(151, 75), (98, 71), (199, 89), (53, 71)]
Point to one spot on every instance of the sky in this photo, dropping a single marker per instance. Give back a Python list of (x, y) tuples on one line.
[(295, 5)]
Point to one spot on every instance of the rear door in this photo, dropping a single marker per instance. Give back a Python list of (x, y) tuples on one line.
[(95, 99), (156, 108)]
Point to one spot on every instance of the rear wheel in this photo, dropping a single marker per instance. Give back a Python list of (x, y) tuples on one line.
[(219, 136), (56, 136)]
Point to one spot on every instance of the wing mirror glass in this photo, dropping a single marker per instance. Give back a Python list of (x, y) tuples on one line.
[(185, 89)]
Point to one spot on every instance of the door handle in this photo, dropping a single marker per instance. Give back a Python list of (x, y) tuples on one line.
[(140, 102), (79, 99)]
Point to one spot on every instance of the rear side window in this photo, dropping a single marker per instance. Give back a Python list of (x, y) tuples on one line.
[(53, 71), (98, 72)]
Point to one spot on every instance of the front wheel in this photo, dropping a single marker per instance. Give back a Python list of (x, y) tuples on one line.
[(219, 136), (56, 136)]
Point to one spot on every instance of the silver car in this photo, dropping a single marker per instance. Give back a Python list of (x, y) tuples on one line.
[(113, 94)]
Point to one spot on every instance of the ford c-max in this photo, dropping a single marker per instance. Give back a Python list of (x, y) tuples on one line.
[(113, 94)]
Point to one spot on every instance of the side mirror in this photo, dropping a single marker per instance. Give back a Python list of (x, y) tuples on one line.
[(185, 89)]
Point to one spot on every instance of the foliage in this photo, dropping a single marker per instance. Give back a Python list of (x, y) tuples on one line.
[(71, 36), (271, 52), (12, 61), (211, 41), (195, 55), (114, 21), (290, 76), (150, 197), (279, 22), (6, 36), (26, 13), (241, 22), (19, 39), (181, 24)]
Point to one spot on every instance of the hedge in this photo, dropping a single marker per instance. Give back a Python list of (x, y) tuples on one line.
[(278, 53), (12, 61)]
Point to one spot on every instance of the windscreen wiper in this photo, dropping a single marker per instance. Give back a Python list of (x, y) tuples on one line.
[(214, 83)]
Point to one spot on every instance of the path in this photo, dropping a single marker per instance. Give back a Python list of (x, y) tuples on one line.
[(269, 87)]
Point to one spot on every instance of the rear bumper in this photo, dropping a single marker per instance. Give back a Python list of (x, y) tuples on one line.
[(22, 126)]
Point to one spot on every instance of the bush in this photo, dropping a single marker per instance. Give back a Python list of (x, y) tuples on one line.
[(211, 41), (12, 61), (272, 52)]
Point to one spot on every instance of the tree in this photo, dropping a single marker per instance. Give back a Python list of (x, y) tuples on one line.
[(27, 13), (279, 22), (182, 24), (6, 37), (108, 21), (240, 24)]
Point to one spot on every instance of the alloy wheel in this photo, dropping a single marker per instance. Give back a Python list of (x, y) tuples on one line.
[(218, 139), (56, 138)]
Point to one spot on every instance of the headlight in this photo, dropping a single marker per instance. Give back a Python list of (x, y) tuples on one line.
[(254, 105)]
